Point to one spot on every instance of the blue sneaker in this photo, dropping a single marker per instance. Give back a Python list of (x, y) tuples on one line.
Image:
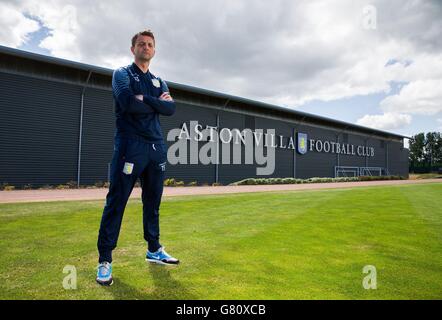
[(104, 274), (161, 257)]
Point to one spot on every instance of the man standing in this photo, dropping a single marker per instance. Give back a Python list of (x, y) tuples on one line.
[(139, 152)]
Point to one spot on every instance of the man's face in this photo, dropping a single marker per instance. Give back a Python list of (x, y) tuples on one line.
[(144, 49)]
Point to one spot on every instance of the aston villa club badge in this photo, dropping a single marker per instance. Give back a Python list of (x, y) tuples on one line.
[(156, 83), (302, 143)]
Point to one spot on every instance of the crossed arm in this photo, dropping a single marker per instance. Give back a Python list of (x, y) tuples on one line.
[(139, 104)]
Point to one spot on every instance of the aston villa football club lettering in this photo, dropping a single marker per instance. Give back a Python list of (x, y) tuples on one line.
[(341, 148), (269, 139)]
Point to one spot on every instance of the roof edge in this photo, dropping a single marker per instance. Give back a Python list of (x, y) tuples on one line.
[(108, 72)]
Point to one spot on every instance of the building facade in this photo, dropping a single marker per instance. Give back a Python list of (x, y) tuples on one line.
[(57, 125)]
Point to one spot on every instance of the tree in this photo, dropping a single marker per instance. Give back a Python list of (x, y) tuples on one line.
[(432, 148), (438, 148), (416, 147), (426, 149)]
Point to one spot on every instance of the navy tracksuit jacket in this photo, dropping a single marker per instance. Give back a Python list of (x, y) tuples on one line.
[(139, 152)]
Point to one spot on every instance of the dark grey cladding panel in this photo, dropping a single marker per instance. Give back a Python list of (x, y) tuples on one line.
[(38, 130), (228, 173), (379, 159), (184, 114), (282, 128), (284, 163), (284, 157), (397, 159), (404, 162), (313, 163), (232, 120), (352, 160), (98, 135)]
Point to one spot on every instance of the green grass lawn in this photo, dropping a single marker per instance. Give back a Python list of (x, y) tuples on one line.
[(285, 245)]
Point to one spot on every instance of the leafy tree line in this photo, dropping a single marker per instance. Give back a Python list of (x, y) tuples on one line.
[(426, 151)]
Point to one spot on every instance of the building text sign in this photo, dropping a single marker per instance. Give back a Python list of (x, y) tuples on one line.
[(269, 139)]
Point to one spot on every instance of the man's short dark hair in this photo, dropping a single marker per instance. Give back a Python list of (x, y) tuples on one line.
[(143, 33)]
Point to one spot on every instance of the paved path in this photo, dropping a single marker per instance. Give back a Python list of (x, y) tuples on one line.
[(100, 194)]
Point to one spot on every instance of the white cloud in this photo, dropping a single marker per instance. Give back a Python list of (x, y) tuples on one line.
[(286, 53), (386, 121), (418, 97), (15, 26), (62, 21)]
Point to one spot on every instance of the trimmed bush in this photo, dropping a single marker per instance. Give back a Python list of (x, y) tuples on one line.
[(72, 184), (264, 181), (169, 182), (99, 184), (62, 187)]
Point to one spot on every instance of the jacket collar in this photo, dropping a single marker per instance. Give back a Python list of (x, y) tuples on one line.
[(139, 71)]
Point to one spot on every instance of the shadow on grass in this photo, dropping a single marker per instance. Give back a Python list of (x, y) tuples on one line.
[(166, 287)]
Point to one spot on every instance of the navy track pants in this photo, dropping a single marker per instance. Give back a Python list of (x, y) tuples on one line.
[(133, 159)]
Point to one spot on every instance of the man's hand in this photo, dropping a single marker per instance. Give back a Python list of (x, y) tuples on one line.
[(166, 97)]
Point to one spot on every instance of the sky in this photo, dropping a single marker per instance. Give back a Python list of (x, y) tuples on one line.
[(372, 63)]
